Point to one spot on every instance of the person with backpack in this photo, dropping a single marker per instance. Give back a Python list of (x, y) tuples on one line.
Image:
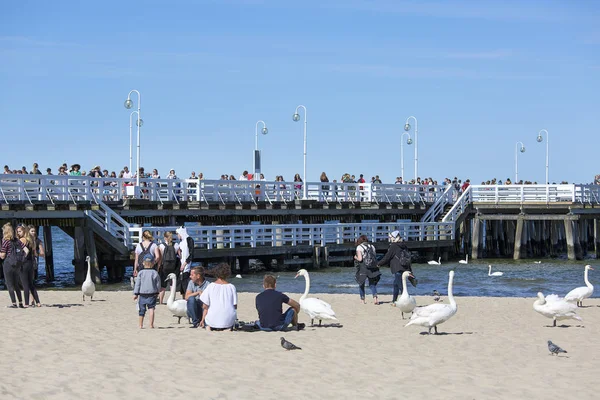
[(365, 261), (168, 264), (398, 257), (146, 247), (186, 255), (13, 253)]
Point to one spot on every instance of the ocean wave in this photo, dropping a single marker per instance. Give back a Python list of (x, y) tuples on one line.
[(343, 285)]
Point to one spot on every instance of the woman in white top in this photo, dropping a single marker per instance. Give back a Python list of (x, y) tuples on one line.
[(219, 301)]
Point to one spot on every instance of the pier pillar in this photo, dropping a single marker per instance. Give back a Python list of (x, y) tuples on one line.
[(49, 253), (244, 263), (316, 257), (475, 239), (597, 237), (326, 257), (518, 238), (569, 236), (79, 255)]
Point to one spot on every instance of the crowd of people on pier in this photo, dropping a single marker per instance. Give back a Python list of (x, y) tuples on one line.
[(19, 254)]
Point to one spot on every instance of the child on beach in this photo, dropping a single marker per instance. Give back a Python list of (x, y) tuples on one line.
[(146, 288)]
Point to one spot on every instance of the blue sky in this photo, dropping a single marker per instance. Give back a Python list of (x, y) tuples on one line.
[(478, 75)]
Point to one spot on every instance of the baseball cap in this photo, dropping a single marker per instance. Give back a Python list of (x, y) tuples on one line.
[(148, 257)]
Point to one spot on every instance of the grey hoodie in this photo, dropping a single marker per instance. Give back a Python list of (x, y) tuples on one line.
[(148, 282)]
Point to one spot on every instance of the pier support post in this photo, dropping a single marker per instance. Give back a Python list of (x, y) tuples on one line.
[(244, 263), (79, 255), (90, 246), (518, 239), (49, 255), (475, 239), (316, 257), (597, 237), (570, 241)]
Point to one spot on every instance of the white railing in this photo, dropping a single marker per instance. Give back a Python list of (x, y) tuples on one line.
[(460, 206), (112, 222), (84, 188), (438, 207), (236, 236), (506, 194)]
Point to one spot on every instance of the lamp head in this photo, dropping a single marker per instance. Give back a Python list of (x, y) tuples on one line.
[(409, 141), (264, 130), (539, 138), (128, 104), (296, 117), (139, 122), (522, 149), (407, 127)]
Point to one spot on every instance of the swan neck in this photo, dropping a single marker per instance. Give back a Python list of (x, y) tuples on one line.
[(585, 278), (404, 284), (450, 295), (306, 287), (89, 271), (172, 292)]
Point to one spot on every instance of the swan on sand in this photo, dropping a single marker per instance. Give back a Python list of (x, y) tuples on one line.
[(177, 307), (313, 307), (554, 307), (582, 292), (88, 288)]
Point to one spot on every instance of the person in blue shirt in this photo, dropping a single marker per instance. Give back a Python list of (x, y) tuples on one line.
[(269, 306)]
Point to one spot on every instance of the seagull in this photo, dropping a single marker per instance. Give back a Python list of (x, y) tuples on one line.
[(554, 349), (238, 276), (436, 295), (288, 345)]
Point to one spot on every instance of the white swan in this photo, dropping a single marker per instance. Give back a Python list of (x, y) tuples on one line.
[(582, 292), (556, 308), (88, 288), (238, 276), (438, 262), (406, 302), (465, 261), (434, 314), (537, 262), (314, 308), (177, 307), (498, 273)]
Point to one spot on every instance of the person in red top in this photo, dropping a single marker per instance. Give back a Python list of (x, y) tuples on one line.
[(465, 185)]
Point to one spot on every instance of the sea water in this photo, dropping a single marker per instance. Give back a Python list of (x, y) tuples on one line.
[(522, 278)]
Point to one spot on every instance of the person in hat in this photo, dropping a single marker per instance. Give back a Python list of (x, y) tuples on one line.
[(75, 170), (399, 259), (145, 290)]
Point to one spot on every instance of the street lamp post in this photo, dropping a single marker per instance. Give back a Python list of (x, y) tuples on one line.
[(131, 136), (517, 160), (296, 118), (264, 131), (408, 141), (407, 128), (128, 104), (540, 139)]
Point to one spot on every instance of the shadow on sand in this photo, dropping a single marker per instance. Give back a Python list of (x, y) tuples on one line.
[(334, 325), (446, 333), (62, 305), (564, 326)]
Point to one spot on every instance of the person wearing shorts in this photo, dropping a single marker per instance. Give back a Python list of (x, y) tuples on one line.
[(145, 290)]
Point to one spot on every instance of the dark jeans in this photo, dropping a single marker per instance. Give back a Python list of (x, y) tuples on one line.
[(194, 309), (372, 286), (397, 285), (185, 279), (288, 317), (11, 279), (28, 283)]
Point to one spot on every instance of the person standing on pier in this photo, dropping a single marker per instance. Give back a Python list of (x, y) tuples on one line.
[(13, 252), (186, 254), (399, 259), (366, 267)]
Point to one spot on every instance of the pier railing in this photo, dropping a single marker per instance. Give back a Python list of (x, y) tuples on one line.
[(235, 236), (521, 194), (40, 188)]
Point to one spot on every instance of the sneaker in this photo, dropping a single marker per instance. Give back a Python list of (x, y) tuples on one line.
[(300, 326), (195, 326)]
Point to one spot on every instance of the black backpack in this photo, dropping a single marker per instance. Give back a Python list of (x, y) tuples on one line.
[(190, 243), (16, 256), (143, 254), (369, 256), (169, 259), (405, 259)]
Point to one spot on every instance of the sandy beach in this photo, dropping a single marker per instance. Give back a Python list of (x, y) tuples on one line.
[(493, 348)]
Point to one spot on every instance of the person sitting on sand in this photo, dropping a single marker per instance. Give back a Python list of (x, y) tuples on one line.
[(146, 288), (219, 301), (269, 307), (195, 287)]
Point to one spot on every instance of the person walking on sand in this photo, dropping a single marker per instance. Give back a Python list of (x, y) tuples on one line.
[(399, 259), (365, 261), (146, 289), (13, 253)]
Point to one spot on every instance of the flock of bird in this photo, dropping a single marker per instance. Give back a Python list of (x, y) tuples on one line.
[(430, 316)]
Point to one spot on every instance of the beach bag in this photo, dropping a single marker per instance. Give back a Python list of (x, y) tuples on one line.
[(169, 259), (143, 254), (369, 257), (16, 256)]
